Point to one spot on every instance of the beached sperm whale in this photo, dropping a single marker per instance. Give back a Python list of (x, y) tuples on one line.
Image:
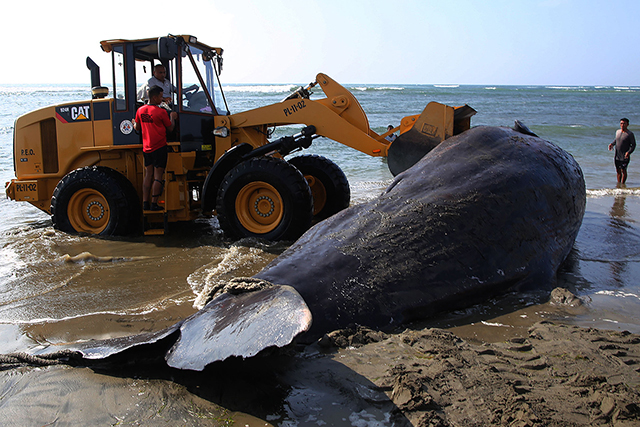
[(483, 212), (487, 211)]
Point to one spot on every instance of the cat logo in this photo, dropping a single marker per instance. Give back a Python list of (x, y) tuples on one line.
[(74, 113), (80, 112)]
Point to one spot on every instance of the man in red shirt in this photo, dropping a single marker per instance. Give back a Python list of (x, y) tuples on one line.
[(154, 122)]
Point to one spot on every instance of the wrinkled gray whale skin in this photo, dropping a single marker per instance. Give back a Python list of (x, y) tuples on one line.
[(486, 211)]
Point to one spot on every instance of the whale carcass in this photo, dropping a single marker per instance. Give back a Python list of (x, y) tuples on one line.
[(486, 211), (483, 212)]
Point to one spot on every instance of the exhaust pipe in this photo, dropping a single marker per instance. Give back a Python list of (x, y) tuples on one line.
[(97, 91)]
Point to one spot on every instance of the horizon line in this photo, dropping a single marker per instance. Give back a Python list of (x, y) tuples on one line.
[(560, 85)]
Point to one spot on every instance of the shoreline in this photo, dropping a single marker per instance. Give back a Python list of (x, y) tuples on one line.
[(429, 375), (537, 371)]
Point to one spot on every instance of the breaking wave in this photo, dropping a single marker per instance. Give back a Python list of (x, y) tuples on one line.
[(604, 192), (261, 88), (619, 294), (375, 88), (85, 257)]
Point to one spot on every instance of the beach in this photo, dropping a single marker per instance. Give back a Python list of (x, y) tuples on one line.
[(524, 368), (514, 360)]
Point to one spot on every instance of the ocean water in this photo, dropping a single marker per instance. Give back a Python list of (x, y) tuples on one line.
[(58, 288)]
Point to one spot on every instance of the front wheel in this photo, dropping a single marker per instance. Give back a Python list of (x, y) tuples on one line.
[(264, 197), (95, 200), (329, 185)]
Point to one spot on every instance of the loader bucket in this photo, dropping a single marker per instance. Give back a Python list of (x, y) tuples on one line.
[(420, 135)]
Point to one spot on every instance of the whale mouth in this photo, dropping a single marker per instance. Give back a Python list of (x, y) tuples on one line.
[(419, 135)]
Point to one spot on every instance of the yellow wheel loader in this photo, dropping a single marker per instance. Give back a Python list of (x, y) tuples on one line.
[(82, 162)]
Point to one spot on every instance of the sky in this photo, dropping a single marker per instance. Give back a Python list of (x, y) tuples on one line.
[(486, 42)]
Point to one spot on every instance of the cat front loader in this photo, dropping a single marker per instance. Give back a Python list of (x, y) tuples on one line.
[(82, 161)]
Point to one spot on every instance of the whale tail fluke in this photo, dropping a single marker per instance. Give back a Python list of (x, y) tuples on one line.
[(241, 326), (232, 324)]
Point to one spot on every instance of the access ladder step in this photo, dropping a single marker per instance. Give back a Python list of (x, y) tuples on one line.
[(156, 223), (154, 232)]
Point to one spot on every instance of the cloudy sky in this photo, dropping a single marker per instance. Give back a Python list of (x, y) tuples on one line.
[(537, 42)]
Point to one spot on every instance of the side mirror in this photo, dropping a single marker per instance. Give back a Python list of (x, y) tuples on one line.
[(167, 49), (219, 64)]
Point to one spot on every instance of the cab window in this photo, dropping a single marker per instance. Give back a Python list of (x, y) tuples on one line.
[(119, 79), (200, 79)]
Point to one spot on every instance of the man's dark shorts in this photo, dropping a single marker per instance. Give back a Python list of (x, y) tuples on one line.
[(157, 158), (622, 164)]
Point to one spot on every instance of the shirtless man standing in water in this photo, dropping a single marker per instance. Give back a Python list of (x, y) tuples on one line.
[(625, 143)]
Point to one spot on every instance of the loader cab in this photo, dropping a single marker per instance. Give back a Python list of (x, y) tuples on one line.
[(193, 70)]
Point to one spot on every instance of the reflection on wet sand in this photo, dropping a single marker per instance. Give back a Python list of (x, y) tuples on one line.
[(618, 210), (618, 226), (606, 261), (303, 387)]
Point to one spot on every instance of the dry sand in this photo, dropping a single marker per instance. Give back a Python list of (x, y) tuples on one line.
[(532, 373), (556, 375)]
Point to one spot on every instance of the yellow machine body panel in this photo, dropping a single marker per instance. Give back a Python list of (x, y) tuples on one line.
[(53, 140)]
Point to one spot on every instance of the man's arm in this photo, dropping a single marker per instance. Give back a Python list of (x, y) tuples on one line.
[(172, 117), (134, 121), (614, 142), (632, 143), (143, 93)]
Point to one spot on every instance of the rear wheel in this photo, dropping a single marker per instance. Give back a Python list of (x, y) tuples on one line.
[(264, 197), (329, 185), (95, 200)]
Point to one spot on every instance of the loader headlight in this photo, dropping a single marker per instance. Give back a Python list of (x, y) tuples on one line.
[(221, 131)]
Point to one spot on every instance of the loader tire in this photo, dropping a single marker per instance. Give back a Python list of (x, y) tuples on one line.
[(264, 197), (329, 185), (95, 200)]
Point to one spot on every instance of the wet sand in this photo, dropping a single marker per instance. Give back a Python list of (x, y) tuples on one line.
[(492, 365), (524, 368)]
